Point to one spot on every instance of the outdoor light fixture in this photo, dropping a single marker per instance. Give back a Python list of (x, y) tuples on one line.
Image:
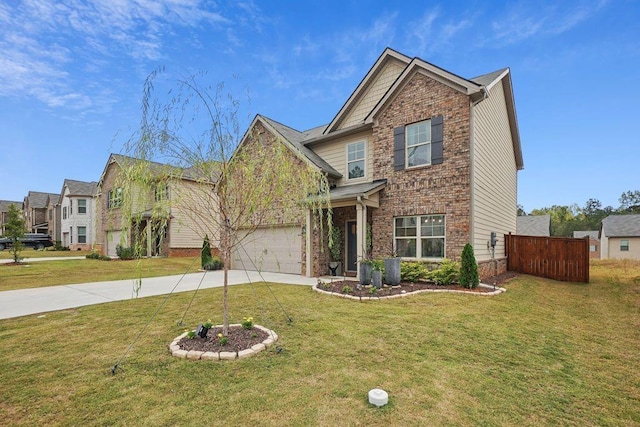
[(378, 397)]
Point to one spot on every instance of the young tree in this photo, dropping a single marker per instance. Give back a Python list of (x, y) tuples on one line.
[(14, 230), (242, 181), (469, 268)]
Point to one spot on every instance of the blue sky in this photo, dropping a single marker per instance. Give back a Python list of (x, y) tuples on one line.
[(71, 76)]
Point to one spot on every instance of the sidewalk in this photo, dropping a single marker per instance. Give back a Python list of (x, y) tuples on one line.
[(24, 302)]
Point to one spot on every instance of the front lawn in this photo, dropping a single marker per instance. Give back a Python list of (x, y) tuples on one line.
[(70, 271), (543, 353)]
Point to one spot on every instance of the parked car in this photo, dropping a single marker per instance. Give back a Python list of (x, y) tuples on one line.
[(29, 240)]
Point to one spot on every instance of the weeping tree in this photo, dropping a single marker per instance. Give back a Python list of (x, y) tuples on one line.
[(224, 182)]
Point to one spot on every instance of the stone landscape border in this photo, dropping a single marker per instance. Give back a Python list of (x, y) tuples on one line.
[(176, 351), (497, 290)]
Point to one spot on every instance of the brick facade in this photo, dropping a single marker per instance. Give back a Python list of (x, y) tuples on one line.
[(434, 189)]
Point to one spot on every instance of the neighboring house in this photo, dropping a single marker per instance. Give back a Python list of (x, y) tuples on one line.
[(35, 208), (620, 237), (181, 227), (78, 221), (53, 217), (421, 160), (4, 210), (594, 241), (534, 225)]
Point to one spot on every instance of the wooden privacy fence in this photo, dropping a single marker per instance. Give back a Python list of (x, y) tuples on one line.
[(557, 258)]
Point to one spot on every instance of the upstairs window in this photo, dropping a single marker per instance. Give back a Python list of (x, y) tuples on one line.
[(355, 160), (419, 144), (114, 198), (70, 207), (82, 206), (161, 193), (64, 212)]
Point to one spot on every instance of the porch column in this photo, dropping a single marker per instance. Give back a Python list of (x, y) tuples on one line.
[(308, 235), (361, 233), (149, 243)]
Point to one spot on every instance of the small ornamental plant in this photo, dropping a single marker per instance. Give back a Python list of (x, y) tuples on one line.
[(247, 323), (222, 340), (208, 324), (347, 290), (191, 334)]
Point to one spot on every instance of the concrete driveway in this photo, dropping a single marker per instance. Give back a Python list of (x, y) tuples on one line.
[(25, 302)]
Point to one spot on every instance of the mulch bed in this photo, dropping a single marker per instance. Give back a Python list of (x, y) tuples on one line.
[(338, 286), (238, 339)]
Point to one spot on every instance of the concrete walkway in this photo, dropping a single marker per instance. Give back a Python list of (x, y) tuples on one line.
[(28, 260), (25, 302)]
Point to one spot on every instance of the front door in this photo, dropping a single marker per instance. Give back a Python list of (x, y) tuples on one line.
[(352, 246)]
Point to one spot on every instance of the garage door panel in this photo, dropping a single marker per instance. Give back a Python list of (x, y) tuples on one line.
[(270, 249)]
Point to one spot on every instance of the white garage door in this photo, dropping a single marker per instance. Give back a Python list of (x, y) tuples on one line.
[(113, 240), (271, 249)]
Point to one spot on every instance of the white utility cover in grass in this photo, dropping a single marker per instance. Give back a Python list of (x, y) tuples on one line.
[(276, 250)]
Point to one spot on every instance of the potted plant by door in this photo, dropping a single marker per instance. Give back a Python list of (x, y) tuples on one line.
[(335, 251), (377, 267)]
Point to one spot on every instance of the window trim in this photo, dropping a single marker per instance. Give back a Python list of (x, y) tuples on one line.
[(82, 235), (80, 207), (418, 237), (364, 159), (406, 144), (624, 248), (114, 198)]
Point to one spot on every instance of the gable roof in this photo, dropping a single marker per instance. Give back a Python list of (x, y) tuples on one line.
[(155, 167), (592, 234), (79, 188), (533, 225), (4, 205), (295, 139), (621, 226), (38, 200)]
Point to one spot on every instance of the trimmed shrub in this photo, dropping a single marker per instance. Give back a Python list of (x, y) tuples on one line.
[(447, 273), (205, 254), (215, 264), (413, 271), (125, 253), (469, 269)]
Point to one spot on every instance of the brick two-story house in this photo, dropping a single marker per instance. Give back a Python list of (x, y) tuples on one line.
[(36, 211), (168, 220), (420, 159)]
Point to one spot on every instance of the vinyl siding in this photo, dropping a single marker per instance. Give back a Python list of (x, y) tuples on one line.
[(373, 93), (613, 248), (192, 210), (335, 153), (494, 176)]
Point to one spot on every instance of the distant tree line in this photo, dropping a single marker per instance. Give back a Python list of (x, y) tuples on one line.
[(567, 219)]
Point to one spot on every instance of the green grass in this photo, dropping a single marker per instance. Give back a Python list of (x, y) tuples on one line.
[(32, 253), (543, 353), (63, 272)]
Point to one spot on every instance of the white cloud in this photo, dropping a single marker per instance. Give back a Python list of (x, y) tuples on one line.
[(48, 47)]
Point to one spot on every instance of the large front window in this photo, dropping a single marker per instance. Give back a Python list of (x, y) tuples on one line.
[(355, 159), (419, 144), (420, 236)]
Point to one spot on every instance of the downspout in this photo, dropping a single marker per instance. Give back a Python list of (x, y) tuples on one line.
[(485, 95)]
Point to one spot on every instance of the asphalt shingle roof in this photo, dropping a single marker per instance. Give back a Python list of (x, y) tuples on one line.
[(533, 225), (621, 226), (593, 234), (80, 188)]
